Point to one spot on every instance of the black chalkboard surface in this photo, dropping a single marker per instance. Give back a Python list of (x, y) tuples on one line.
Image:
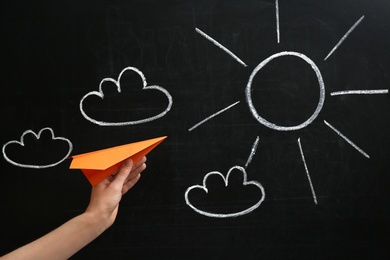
[(276, 112)]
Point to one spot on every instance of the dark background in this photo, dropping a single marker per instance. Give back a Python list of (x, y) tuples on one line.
[(54, 52)]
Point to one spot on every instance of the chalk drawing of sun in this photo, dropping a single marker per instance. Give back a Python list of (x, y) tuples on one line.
[(277, 127)]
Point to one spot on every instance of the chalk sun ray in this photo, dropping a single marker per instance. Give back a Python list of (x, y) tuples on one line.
[(253, 151), (344, 37), (213, 115), (360, 92), (346, 139), (307, 171), (221, 46), (277, 20)]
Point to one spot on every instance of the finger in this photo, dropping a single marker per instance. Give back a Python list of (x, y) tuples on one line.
[(109, 179), (135, 172), (122, 174), (139, 163), (130, 183), (106, 181), (138, 170), (139, 166)]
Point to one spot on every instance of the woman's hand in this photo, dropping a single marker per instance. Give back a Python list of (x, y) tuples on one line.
[(106, 195)]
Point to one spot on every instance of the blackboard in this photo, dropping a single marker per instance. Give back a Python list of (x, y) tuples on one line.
[(288, 98)]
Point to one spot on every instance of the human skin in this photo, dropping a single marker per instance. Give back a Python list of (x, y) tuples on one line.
[(100, 214)]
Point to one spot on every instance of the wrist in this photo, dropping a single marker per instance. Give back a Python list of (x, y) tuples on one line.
[(99, 221)]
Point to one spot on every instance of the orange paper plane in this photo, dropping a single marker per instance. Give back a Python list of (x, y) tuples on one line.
[(99, 164)]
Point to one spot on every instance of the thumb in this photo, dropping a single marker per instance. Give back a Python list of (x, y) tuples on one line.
[(123, 173)]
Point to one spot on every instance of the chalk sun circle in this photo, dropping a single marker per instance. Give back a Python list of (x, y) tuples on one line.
[(321, 86)]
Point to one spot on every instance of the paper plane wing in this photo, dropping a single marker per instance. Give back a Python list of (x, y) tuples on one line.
[(99, 164)]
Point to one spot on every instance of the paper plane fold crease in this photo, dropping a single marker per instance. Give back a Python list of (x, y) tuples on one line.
[(99, 164)]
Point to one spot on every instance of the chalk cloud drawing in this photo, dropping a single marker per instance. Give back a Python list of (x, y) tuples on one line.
[(36, 136), (273, 126), (117, 83), (205, 189), (241, 188)]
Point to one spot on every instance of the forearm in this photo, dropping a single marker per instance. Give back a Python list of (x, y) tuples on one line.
[(69, 238), (64, 241)]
